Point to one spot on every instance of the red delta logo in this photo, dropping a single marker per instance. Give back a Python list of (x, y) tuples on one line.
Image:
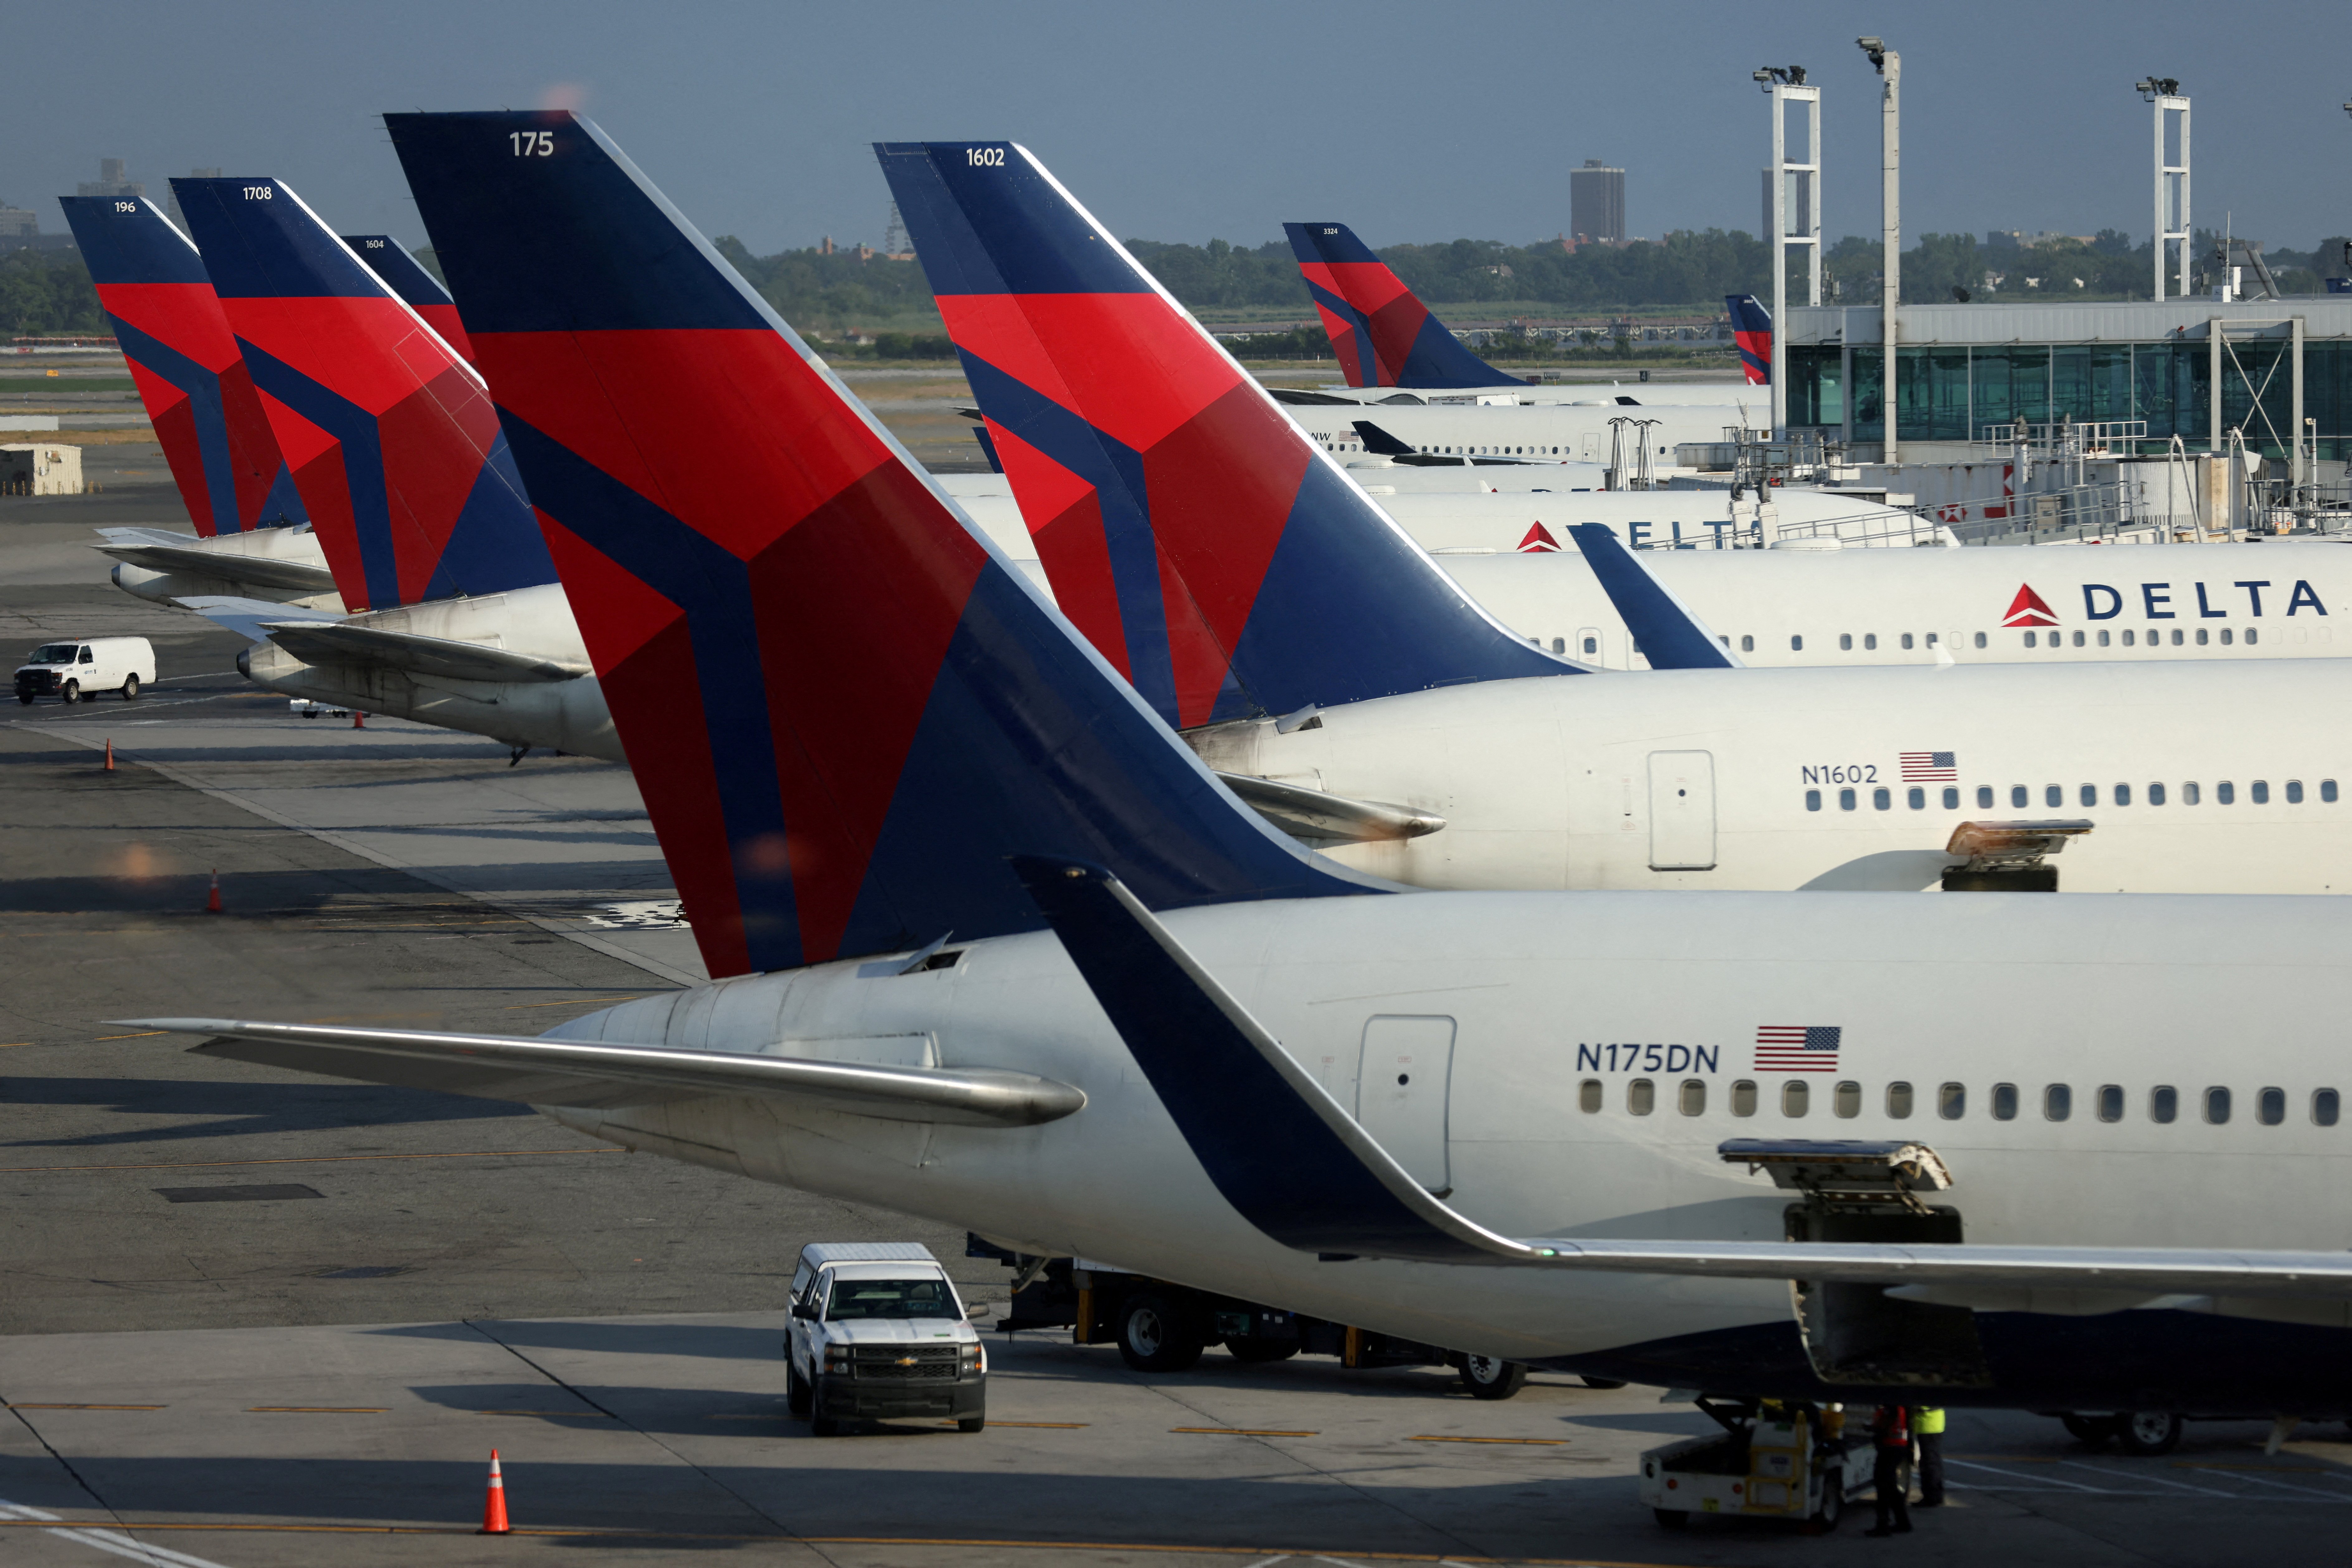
[(2026, 610), (1539, 541)]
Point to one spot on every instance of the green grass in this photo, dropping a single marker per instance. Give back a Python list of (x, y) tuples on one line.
[(19, 386)]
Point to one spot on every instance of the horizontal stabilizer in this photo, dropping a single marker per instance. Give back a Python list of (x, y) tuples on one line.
[(247, 617), (340, 642), (1294, 1164), (261, 570), (1667, 631), (1321, 818), (539, 1071)]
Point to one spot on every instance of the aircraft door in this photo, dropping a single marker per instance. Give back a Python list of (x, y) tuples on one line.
[(1588, 645), (1403, 1085), (1682, 811)]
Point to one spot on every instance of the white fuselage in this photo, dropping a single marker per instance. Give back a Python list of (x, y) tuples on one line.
[(1550, 993), (1555, 431), (1828, 779), (1570, 393)]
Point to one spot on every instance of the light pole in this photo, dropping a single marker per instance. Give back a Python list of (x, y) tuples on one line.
[(1785, 85), (2171, 179), (1889, 66)]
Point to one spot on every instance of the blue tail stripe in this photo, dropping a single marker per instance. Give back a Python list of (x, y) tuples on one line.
[(270, 248), (130, 247), (402, 273), (1335, 243), (355, 428), (210, 420), (998, 228)]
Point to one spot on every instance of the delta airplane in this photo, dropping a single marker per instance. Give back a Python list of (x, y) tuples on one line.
[(252, 533), (457, 618), (990, 947), (1390, 346), (1318, 658)]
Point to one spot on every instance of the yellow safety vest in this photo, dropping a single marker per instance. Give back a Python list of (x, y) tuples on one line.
[(1929, 1422)]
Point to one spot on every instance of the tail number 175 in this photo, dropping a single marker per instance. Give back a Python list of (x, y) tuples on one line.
[(533, 143)]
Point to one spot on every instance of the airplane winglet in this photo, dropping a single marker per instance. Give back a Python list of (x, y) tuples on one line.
[(1670, 634)]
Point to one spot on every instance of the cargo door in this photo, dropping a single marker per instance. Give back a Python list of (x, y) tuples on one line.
[(1682, 811), (1407, 1069)]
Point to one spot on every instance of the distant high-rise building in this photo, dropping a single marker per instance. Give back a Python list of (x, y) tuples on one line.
[(110, 182), (1596, 201), (18, 227), (1800, 211), (174, 203)]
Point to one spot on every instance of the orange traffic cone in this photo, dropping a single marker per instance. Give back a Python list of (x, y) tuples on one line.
[(110, 753), (212, 902), (359, 720), (494, 1509)]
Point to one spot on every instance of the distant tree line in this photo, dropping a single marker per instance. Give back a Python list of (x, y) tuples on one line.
[(46, 293)]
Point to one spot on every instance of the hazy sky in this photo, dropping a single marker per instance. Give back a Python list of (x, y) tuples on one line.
[(1183, 122)]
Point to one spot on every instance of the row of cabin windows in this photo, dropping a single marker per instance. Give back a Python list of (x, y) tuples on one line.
[(2254, 635), (2055, 639), (1479, 451), (2109, 1101), (2021, 797)]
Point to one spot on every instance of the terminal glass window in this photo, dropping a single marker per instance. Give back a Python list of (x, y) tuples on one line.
[(1952, 1101), (2010, 385), (1898, 1100), (1743, 1096), (1932, 394), (2163, 1103), (1795, 1098)]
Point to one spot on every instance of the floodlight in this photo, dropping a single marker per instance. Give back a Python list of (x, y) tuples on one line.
[(1796, 76), (1876, 50)]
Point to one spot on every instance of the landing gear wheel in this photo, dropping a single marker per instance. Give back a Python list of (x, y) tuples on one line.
[(824, 1426), (130, 689), (2091, 1431), (970, 1423), (70, 693), (1673, 1518), (1155, 1334), (1489, 1378), (2143, 1434), (796, 1392), (1256, 1351), (1826, 1517)]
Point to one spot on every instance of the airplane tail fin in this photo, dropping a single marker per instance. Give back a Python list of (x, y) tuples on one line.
[(406, 276), (1382, 331), (183, 359), (1667, 631), (1215, 555), (845, 709), (1751, 327), (392, 435)]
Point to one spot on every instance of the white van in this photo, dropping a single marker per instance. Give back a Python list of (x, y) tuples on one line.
[(72, 671), (877, 1331)]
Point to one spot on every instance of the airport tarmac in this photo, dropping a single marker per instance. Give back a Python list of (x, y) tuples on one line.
[(249, 1317)]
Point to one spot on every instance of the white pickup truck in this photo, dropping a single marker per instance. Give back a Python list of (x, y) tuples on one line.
[(877, 1331), (72, 671)]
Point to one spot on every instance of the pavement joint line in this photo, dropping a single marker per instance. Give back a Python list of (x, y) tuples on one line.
[(303, 1159), (32, 1406), (1531, 1442), (318, 1410), (1244, 1432), (556, 1415)]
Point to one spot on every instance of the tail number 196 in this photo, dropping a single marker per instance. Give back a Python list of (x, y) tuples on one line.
[(533, 143), (984, 157)]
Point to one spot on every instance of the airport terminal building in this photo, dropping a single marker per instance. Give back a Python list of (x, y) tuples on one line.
[(1961, 369)]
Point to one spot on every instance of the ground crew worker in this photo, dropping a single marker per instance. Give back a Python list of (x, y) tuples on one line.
[(1928, 1429), (1890, 1441)]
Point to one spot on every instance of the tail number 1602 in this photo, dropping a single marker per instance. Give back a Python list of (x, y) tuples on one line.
[(984, 157)]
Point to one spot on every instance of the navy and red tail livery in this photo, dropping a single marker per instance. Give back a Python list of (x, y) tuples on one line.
[(406, 276), (1751, 327), (1382, 331), (391, 434), (1219, 560), (183, 359), (844, 709)]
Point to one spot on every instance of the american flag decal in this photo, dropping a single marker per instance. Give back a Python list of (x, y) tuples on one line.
[(1929, 767), (1797, 1047)]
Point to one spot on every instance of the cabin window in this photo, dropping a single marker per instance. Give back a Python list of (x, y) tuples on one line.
[(1951, 798), (1916, 798), (2053, 794), (2078, 639), (1588, 1095), (1869, 640), (2019, 796), (1559, 645), (1845, 642), (2188, 794), (1906, 639), (1692, 1102), (1980, 639), (1743, 1096), (2127, 638), (2225, 637), (1847, 1100), (1796, 645), (2089, 795), (2260, 792), (2252, 636), (2121, 794), (2325, 1106), (2270, 1107), (1812, 800), (2176, 636), (2327, 791), (2225, 794), (2004, 1102), (2102, 639), (2295, 791), (1794, 1096), (1984, 797), (2028, 640), (2155, 795), (1640, 1097), (2057, 1101), (1747, 642), (1931, 640), (2216, 1106), (1592, 647), (1845, 800), (1898, 1100), (1882, 798), (2163, 1103), (1952, 1101), (2111, 1102), (2202, 637)]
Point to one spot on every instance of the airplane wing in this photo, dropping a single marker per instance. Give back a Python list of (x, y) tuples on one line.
[(339, 642), (1323, 818), (262, 571), (246, 617), (588, 1074), (1668, 632), (1297, 1165)]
